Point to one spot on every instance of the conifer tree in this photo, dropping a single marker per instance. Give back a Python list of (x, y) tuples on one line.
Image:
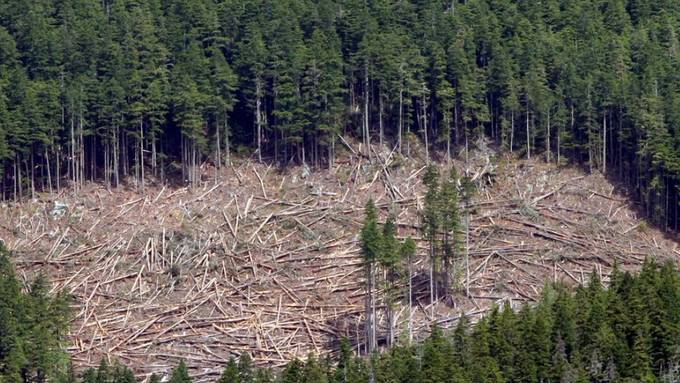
[(293, 372), (390, 261), (435, 351), (180, 374), (103, 372), (264, 375), (450, 224), (467, 189), (371, 245), (408, 251), (312, 372), (245, 368), (122, 374), (230, 373), (430, 218)]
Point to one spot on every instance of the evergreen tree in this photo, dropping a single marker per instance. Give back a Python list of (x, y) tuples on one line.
[(230, 373), (431, 221), (408, 251), (312, 372), (371, 244), (389, 260), (180, 374), (245, 368), (450, 224)]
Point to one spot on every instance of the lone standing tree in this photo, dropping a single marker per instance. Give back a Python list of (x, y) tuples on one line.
[(450, 224), (390, 261), (408, 250), (467, 189), (431, 222), (440, 224), (371, 246)]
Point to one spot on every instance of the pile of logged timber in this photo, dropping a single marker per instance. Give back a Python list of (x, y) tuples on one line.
[(268, 261)]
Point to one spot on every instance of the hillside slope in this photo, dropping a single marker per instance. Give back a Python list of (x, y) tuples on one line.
[(268, 261)]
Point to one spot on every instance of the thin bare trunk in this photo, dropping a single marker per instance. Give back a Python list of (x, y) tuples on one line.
[(116, 155), (58, 171), (17, 179), (227, 146), (410, 301), (369, 305), (141, 153), (604, 143), (32, 175), (218, 143), (258, 118), (547, 144), (367, 137), (73, 155), (49, 172), (571, 125), (559, 141), (401, 115), (455, 124), (467, 251), (448, 139), (154, 154), (390, 287), (528, 136), (380, 117), (432, 274), (512, 129), (107, 175), (427, 145), (21, 188), (81, 146), (374, 320)]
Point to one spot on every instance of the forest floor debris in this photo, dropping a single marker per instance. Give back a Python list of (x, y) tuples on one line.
[(268, 261)]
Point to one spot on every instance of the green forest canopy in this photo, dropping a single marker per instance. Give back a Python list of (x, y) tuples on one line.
[(104, 89), (629, 332)]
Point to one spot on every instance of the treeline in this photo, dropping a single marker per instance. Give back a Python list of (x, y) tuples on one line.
[(628, 332), (104, 89)]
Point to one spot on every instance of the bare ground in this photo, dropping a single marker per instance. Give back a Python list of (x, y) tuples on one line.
[(267, 261)]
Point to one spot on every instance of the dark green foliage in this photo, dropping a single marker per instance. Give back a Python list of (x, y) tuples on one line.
[(430, 218), (33, 327), (98, 89), (293, 372), (245, 368), (180, 374), (313, 371), (230, 373), (370, 233), (122, 374), (441, 224), (383, 250)]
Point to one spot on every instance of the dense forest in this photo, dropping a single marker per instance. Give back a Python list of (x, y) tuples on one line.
[(628, 332), (114, 90)]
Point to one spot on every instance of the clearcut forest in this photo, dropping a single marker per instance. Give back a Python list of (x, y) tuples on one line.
[(339, 191), (116, 91)]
